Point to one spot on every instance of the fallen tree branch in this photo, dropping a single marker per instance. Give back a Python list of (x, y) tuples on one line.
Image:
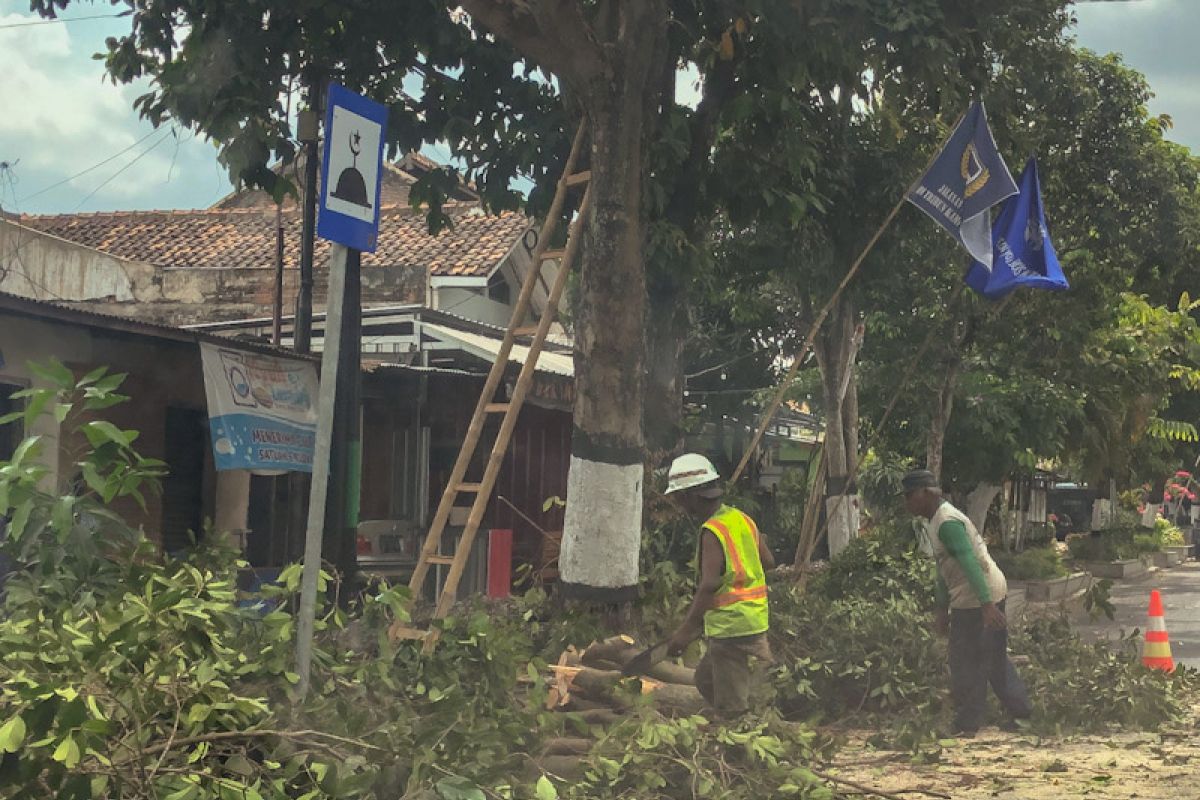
[(871, 790), (221, 736)]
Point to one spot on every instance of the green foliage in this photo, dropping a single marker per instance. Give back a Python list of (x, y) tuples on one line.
[(52, 531), (651, 758), (883, 565), (879, 483), (1113, 544), (841, 657), (1167, 533), (1031, 564), (129, 676), (1078, 686)]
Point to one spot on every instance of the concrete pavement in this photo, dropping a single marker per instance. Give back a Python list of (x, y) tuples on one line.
[(1180, 589)]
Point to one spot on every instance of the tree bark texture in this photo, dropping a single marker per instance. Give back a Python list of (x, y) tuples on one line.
[(835, 352), (602, 531), (940, 420), (667, 323)]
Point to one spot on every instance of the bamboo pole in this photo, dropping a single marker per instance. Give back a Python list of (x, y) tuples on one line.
[(824, 312)]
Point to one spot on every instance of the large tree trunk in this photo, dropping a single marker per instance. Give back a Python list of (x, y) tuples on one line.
[(979, 500), (602, 533), (667, 324), (835, 349)]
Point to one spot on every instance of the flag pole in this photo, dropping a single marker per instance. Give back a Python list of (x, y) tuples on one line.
[(824, 312)]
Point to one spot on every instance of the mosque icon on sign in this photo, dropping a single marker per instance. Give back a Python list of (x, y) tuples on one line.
[(351, 187)]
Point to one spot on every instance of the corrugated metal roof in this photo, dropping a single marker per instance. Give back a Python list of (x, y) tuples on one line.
[(488, 348), (47, 310)]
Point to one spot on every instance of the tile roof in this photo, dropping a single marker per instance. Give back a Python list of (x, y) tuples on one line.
[(245, 238)]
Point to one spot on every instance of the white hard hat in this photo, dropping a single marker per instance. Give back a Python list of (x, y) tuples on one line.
[(689, 471)]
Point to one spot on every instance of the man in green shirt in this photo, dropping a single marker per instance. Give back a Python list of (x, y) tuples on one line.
[(970, 592)]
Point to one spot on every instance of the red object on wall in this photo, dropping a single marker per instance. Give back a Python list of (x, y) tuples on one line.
[(499, 575)]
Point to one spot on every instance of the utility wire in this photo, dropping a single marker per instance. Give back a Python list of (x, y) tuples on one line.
[(62, 20), (89, 169), (133, 161)]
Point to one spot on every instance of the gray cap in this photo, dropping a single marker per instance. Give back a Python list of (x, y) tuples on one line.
[(918, 479)]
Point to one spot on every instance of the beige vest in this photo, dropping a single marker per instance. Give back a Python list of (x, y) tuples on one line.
[(961, 593)]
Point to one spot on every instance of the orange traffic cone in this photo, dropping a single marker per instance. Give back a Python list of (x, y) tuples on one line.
[(1157, 651)]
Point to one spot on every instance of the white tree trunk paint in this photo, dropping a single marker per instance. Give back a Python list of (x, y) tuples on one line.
[(842, 511), (1101, 514), (979, 501), (602, 533)]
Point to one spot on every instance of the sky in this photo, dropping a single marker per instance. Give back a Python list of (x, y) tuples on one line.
[(72, 141)]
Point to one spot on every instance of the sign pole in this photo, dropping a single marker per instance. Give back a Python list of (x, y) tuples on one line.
[(351, 176), (321, 463)]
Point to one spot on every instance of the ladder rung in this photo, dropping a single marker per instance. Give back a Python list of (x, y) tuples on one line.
[(497, 408), (404, 632), (526, 330), (470, 487), (445, 561), (579, 178), (554, 253)]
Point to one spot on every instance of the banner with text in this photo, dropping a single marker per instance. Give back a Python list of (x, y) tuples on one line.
[(262, 409)]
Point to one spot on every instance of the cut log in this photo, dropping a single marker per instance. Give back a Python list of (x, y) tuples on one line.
[(578, 703), (599, 716), (600, 686), (617, 651), (673, 700), (614, 650), (568, 746)]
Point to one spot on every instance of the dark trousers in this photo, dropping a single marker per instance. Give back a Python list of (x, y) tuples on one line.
[(979, 656)]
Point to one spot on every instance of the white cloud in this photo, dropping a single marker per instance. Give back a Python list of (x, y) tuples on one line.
[(1155, 37), (65, 116)]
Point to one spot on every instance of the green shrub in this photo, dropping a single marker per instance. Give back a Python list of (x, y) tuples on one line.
[(1167, 533), (1079, 686), (1113, 544), (1032, 564)]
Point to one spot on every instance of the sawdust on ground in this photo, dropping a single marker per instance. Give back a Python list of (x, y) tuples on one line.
[(1022, 766)]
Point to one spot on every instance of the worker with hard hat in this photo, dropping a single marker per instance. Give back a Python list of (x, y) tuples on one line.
[(730, 604)]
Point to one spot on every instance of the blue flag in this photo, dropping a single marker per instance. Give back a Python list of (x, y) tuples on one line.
[(1023, 254), (966, 179)]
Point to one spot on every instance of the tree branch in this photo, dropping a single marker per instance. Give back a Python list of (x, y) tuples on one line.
[(552, 33), (718, 91), (220, 736)]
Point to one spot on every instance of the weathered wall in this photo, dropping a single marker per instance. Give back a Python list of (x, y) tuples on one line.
[(44, 267)]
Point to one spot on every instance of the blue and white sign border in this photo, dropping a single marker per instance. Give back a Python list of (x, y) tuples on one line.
[(332, 225)]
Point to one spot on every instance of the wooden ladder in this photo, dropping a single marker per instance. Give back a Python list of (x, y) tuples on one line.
[(482, 490)]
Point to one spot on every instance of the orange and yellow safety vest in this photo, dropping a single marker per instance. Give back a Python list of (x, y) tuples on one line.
[(740, 607)]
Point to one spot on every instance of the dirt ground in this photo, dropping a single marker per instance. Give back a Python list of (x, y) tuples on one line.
[(1148, 766)]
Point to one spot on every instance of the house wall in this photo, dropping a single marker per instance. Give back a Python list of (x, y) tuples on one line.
[(44, 267), (161, 374), (48, 268), (470, 303)]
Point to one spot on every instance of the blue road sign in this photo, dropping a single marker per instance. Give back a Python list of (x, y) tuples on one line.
[(352, 170)]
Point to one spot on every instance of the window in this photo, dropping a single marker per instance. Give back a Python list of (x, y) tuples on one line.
[(10, 435)]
